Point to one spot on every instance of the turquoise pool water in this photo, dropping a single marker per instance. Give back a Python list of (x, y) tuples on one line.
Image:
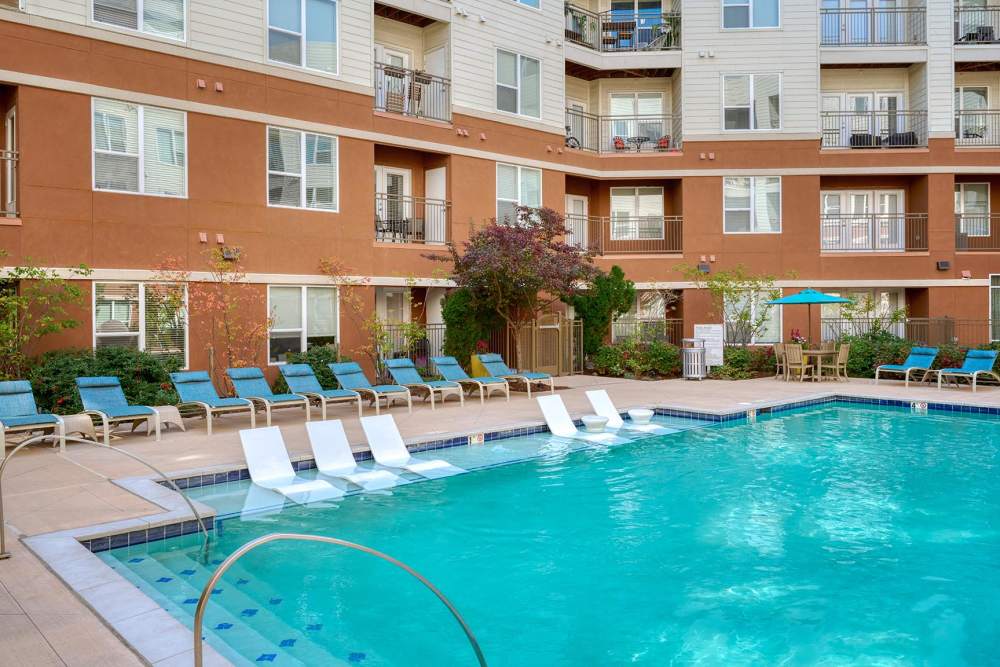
[(834, 535)]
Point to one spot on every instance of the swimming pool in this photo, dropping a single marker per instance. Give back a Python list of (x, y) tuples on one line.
[(831, 535)]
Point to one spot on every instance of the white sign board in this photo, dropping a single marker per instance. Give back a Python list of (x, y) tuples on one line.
[(714, 337)]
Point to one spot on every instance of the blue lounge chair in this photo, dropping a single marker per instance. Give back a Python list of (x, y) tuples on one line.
[(495, 366), (350, 376), (404, 372), (451, 370), (103, 397), (195, 389), (18, 412), (919, 362), (250, 384), (301, 379), (977, 363)]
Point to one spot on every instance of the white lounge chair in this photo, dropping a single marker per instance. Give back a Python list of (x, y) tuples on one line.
[(389, 450), (270, 467), (561, 424), (333, 456), (603, 406)]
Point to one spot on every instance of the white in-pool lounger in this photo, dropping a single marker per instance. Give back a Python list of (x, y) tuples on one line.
[(389, 450), (270, 467), (561, 424), (603, 406), (333, 456)]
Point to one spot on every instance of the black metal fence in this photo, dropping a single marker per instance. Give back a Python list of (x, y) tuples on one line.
[(873, 26), (402, 219), (873, 232), (979, 127), (977, 25), (648, 329), (412, 92), (874, 129), (922, 330), (618, 30), (646, 133)]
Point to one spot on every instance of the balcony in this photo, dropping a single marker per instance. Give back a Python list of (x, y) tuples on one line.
[(977, 128), (874, 129), (977, 232), (618, 235), (404, 219), (873, 26), (617, 31), (623, 134), (8, 184), (873, 232), (412, 93), (977, 25)]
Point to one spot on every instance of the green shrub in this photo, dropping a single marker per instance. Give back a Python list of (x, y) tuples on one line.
[(464, 326), (610, 295), (318, 357), (145, 378), (634, 357), (872, 350), (608, 361), (664, 359), (741, 363)]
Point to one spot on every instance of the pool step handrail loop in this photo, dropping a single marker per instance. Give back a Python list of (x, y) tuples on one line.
[(4, 554), (206, 592)]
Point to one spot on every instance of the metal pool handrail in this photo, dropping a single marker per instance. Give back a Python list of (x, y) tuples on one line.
[(274, 537), (4, 554)]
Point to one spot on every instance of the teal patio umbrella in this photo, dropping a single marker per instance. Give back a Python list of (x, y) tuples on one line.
[(808, 297)]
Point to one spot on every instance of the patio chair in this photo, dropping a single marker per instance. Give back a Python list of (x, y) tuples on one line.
[(839, 363), (195, 389), (405, 373), (779, 360), (604, 407), (270, 468), (103, 398), (389, 450), (561, 424), (301, 379), (919, 361), (796, 363), (334, 458), (977, 363), (18, 413), (495, 366), (450, 370), (250, 384), (350, 376)]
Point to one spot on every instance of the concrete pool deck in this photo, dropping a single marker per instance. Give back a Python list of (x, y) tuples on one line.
[(43, 622)]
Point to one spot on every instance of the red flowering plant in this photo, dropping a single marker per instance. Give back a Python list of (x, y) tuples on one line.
[(797, 337)]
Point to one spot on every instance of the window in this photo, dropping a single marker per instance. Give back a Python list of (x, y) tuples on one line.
[(301, 169), (163, 18), (972, 204), (517, 186), (752, 205), (139, 149), (146, 316), (751, 101), (636, 213), (518, 84), (303, 33), (751, 13), (744, 314), (301, 318)]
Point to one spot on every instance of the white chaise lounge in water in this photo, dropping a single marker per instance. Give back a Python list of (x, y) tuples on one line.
[(333, 456), (389, 450), (603, 406), (270, 467), (561, 424)]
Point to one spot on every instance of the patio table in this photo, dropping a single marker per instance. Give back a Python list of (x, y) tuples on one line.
[(818, 356)]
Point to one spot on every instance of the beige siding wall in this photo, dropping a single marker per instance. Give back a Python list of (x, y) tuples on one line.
[(864, 80), (940, 67)]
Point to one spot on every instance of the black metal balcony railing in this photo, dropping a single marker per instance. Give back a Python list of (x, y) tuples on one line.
[(977, 128), (873, 26), (977, 25), (412, 93), (623, 134), (873, 232), (8, 179), (626, 234), (977, 232), (920, 330), (403, 219), (874, 129), (615, 30), (648, 329)]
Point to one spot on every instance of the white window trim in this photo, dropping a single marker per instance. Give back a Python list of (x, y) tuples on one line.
[(517, 202), (755, 303), (635, 189), (960, 186), (749, 3), (960, 90), (751, 75), (520, 96), (301, 36), (381, 179), (141, 334), (139, 23), (301, 175), (521, 3), (304, 328), (753, 207), (140, 133)]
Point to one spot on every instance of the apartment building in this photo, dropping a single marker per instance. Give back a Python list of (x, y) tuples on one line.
[(847, 145)]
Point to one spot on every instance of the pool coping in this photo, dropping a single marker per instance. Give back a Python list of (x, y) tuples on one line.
[(161, 640)]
